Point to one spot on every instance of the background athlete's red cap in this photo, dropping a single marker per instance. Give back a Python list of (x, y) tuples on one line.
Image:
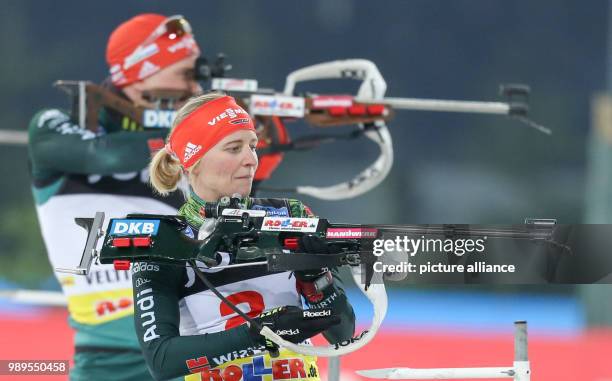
[(162, 52)]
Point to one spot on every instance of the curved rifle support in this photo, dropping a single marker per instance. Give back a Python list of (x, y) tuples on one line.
[(376, 294), (368, 179), (373, 87)]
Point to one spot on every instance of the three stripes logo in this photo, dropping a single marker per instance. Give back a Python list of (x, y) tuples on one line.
[(147, 69), (190, 150)]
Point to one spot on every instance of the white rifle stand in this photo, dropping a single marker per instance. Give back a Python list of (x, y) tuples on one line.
[(333, 369), (518, 372)]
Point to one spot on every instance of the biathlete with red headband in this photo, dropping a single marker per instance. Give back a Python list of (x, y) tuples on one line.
[(183, 328), (76, 172)]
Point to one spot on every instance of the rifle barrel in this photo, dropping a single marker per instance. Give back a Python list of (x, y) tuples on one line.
[(13, 137), (443, 105), (519, 232)]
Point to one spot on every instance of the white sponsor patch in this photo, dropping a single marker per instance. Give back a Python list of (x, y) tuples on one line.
[(142, 281), (140, 54), (324, 313), (325, 101), (240, 212), (288, 332), (158, 118), (233, 84), (343, 233), (146, 303), (277, 105), (144, 266), (308, 225), (120, 227)]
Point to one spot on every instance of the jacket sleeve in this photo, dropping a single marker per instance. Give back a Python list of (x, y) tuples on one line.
[(334, 296), (157, 318), (57, 144)]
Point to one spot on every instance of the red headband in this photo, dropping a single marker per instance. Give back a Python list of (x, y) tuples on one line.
[(129, 61), (205, 127)]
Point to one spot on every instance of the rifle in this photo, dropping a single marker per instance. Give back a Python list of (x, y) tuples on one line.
[(368, 110), (251, 238)]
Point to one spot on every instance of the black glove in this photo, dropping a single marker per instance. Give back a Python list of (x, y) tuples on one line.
[(312, 244), (294, 324), (311, 283)]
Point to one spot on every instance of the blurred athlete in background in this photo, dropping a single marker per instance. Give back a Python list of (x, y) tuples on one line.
[(78, 171)]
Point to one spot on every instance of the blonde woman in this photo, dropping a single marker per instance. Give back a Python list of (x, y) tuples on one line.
[(182, 326)]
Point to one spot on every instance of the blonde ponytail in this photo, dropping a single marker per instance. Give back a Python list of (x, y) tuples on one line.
[(165, 171)]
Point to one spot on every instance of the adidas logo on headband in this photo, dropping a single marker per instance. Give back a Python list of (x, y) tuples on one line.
[(190, 150), (206, 126), (147, 69)]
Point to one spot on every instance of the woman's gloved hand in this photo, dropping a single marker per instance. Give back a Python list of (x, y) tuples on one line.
[(294, 324), (311, 283)]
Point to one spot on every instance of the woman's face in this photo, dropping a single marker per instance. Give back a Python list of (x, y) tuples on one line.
[(227, 168), (178, 77)]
